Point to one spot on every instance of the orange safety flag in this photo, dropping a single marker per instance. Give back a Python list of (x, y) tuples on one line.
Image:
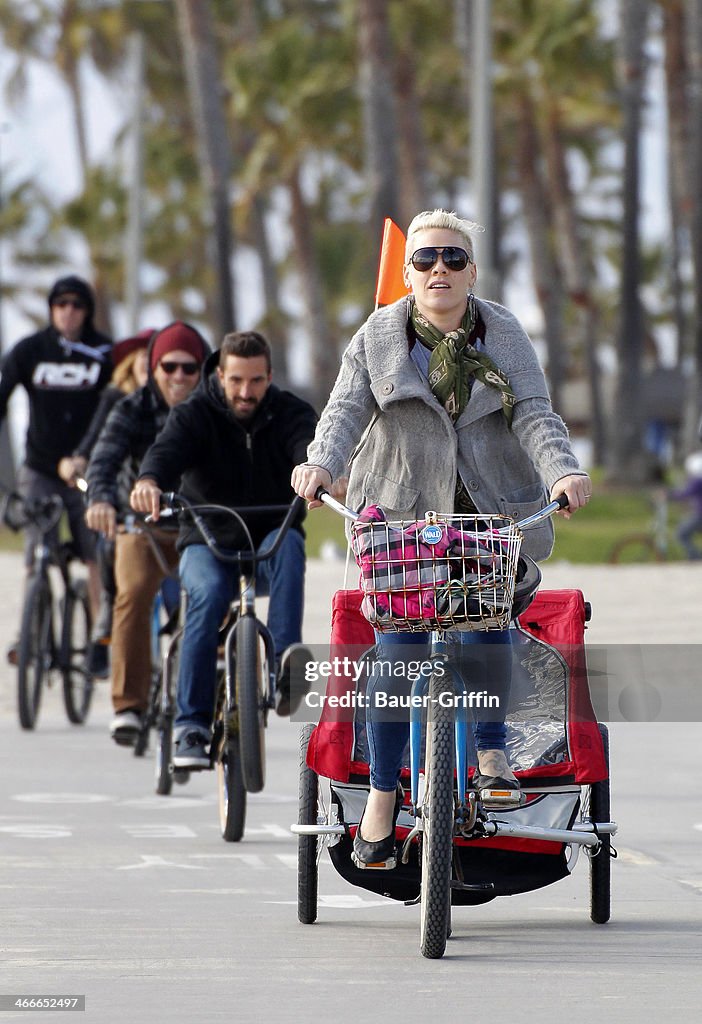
[(390, 286)]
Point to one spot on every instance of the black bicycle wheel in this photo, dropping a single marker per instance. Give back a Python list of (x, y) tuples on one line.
[(251, 704), (34, 654), (438, 818), (75, 638), (164, 749), (307, 846), (232, 794), (600, 862)]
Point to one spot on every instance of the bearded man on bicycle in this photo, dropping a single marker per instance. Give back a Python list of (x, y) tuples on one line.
[(234, 443)]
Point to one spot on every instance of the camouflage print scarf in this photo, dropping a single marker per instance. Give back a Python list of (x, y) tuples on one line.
[(454, 361)]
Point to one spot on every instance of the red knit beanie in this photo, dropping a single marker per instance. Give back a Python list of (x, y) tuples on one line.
[(177, 336)]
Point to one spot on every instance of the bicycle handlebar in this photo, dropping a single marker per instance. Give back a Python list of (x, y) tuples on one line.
[(523, 524), (175, 504), (19, 512)]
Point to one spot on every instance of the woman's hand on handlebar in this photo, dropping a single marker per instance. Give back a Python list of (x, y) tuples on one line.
[(306, 481), (102, 517), (578, 491), (146, 497)]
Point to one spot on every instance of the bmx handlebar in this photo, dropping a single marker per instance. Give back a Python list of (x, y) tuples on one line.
[(175, 504)]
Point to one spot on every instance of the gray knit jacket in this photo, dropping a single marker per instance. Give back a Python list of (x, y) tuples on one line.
[(384, 427)]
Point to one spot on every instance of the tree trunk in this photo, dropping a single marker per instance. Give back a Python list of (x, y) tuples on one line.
[(679, 201), (627, 441), (379, 114), (547, 276), (694, 35), (323, 361), (577, 274), (204, 85)]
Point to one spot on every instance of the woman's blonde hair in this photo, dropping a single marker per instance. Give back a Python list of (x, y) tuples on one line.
[(123, 374), (446, 220)]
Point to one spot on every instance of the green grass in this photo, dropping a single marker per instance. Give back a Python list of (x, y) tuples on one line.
[(587, 537)]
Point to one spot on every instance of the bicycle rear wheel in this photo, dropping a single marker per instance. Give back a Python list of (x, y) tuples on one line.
[(307, 846), (231, 790), (600, 861), (438, 818), (75, 638), (251, 703), (34, 654)]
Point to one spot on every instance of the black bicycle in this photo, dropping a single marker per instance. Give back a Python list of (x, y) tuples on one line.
[(246, 670), (54, 634)]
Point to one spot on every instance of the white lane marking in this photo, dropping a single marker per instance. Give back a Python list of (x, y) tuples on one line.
[(148, 861), (251, 860), (62, 798), (348, 901), (30, 831), (159, 831), (220, 892), (274, 831), (692, 883), (698, 826), (635, 857), (288, 859), (165, 803)]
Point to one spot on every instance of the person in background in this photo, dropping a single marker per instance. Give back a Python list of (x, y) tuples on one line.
[(691, 492), (131, 369), (175, 355), (64, 368)]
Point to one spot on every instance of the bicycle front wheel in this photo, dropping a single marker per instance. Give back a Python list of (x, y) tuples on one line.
[(251, 703), (232, 793), (75, 639), (34, 654), (438, 819)]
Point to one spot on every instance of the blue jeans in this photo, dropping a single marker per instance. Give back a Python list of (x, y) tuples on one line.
[(211, 586), (387, 736)]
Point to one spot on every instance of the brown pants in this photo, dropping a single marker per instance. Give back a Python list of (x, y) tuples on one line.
[(138, 577)]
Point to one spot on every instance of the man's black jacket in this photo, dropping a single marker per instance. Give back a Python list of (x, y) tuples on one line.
[(227, 462), (63, 381)]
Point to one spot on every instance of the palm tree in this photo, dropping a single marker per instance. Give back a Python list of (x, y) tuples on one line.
[(627, 446), (205, 88)]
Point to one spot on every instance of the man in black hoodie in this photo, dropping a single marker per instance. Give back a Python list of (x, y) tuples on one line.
[(176, 354), (63, 368), (235, 443)]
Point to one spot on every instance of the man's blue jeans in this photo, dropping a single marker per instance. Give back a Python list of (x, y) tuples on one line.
[(211, 586), (482, 669)]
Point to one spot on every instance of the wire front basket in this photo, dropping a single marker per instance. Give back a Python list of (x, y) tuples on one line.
[(446, 572)]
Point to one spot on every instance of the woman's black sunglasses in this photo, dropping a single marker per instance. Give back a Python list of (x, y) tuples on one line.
[(170, 366), (454, 258)]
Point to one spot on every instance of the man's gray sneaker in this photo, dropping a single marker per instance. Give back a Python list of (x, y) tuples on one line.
[(125, 727), (191, 750)]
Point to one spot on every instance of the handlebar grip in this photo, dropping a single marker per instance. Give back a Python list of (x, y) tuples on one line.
[(319, 492), (562, 500)]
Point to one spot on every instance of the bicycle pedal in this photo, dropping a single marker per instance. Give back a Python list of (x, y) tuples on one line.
[(496, 799), (381, 865)]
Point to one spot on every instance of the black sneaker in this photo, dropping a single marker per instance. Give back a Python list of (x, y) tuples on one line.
[(292, 668), (97, 661), (191, 750), (125, 728)]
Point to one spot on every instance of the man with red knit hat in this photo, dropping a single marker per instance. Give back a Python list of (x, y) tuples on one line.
[(176, 355)]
